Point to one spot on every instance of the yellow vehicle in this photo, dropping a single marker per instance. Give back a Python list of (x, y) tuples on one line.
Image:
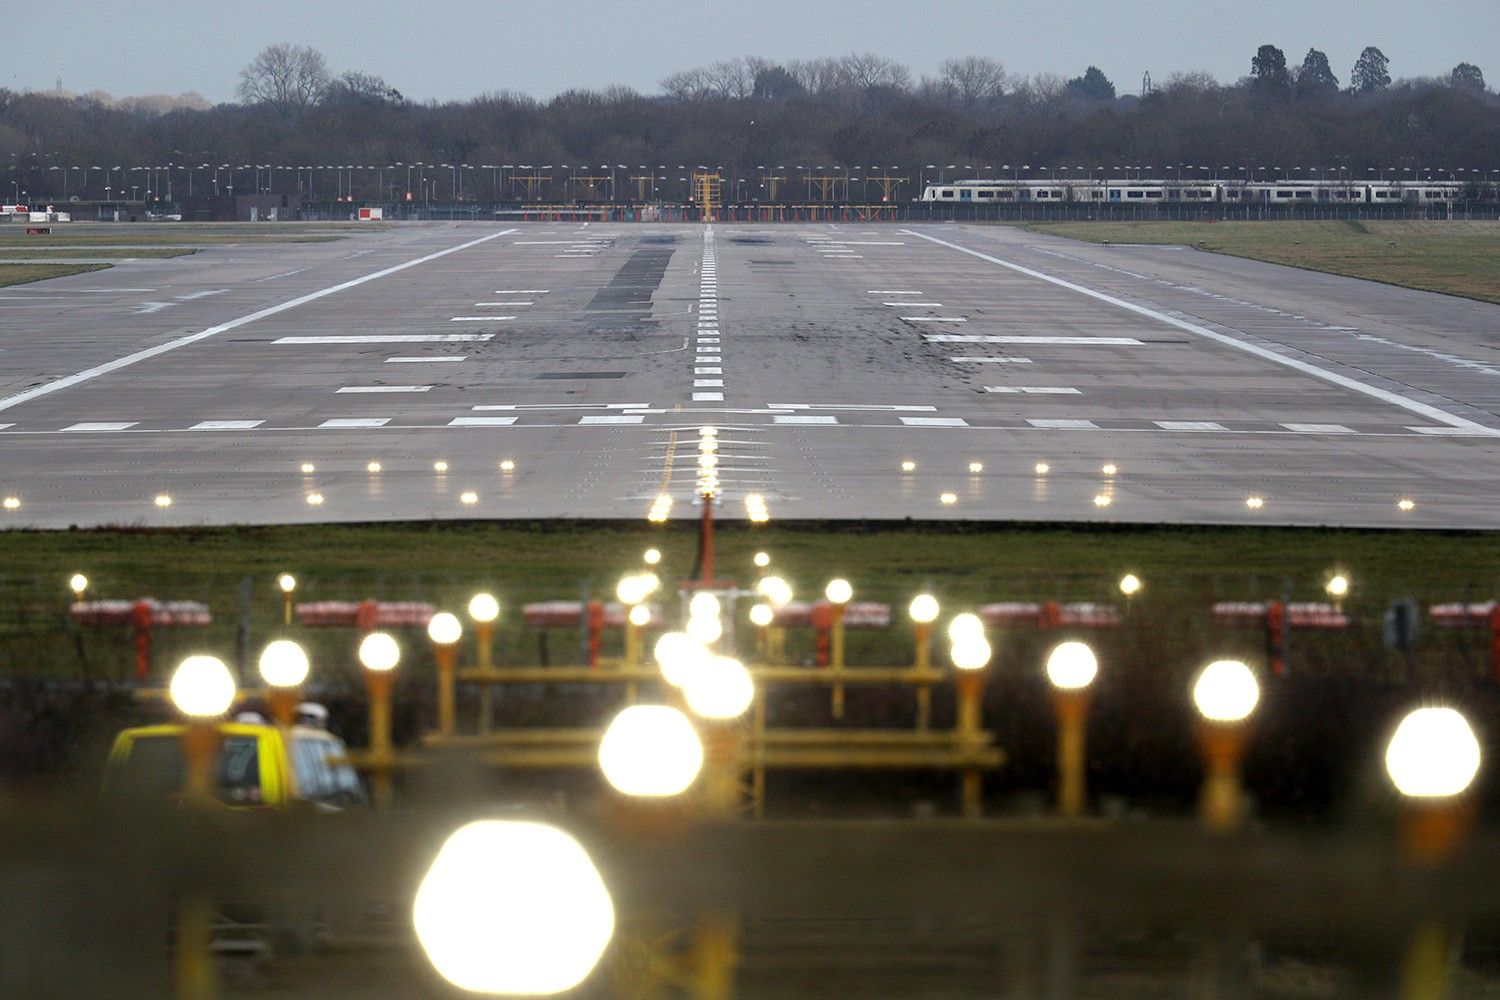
[(259, 766)]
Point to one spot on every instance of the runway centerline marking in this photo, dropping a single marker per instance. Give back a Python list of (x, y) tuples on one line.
[(1038, 390), (386, 338), (1297, 364), (1003, 338), (383, 388), (482, 421), (67, 382), (426, 360), (226, 425), (102, 425), (1318, 428), (991, 361), (349, 423)]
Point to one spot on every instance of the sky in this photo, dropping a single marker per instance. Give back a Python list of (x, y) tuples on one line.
[(454, 49)]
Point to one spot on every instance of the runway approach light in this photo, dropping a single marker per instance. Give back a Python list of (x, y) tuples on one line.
[(1433, 754), (78, 583), (762, 559), (908, 466), (1130, 584), (948, 499), (1405, 504), (924, 609), (1226, 691), (761, 615), (287, 582), (661, 507), (315, 499), (652, 557), (964, 626), (11, 503), (373, 467), (308, 468), (635, 588), (722, 690), (976, 467), (439, 466), (202, 687), (1255, 503), (513, 907), (444, 628), (678, 655), (483, 608), (1110, 469), (838, 591), (163, 500), (468, 497), (640, 616), (283, 663), (507, 465), (1337, 585), (379, 652), (651, 751), (1072, 666), (1042, 468), (775, 590), (1102, 500), (971, 652)]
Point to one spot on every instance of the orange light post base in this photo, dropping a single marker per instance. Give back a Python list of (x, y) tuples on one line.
[(970, 685), (836, 658), (1221, 802), (446, 656), (1072, 707), (922, 634), (484, 634), (378, 687), (283, 702)]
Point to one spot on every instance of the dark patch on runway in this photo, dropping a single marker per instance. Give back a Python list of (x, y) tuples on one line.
[(560, 376), (627, 297)]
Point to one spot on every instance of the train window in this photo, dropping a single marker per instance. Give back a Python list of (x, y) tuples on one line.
[(985, 194), (1135, 194), (947, 193), (1153, 194)]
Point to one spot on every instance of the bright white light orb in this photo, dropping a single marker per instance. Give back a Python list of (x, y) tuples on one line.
[(776, 590), (970, 653), (468, 497), (202, 687), (1042, 468), (838, 591), (308, 468), (439, 466), (379, 652), (703, 605), (373, 467), (78, 583), (633, 589), (723, 689), (283, 663), (507, 465), (908, 466), (640, 616), (964, 626), (678, 655), (705, 630), (513, 907), (762, 559), (163, 500), (948, 499), (444, 628), (651, 751), (287, 582), (652, 557), (1130, 584), (924, 609), (761, 615), (1226, 691), (484, 608), (1071, 666), (1337, 585), (1433, 754)]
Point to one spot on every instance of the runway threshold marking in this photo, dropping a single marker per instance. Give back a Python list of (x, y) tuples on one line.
[(68, 381), (383, 388), (1297, 364)]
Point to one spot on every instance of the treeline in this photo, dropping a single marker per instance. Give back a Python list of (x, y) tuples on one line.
[(741, 114)]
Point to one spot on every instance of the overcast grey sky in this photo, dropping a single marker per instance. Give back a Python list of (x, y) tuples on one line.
[(443, 49)]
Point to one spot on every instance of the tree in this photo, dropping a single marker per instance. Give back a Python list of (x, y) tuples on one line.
[(973, 80), (1093, 84), (366, 89), (1372, 71), (775, 83), (1467, 76), (1268, 71), (287, 78), (1315, 79)]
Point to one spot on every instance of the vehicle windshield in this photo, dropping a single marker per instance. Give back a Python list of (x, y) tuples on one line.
[(155, 768)]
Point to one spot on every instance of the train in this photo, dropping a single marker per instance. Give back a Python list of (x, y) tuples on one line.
[(1198, 192)]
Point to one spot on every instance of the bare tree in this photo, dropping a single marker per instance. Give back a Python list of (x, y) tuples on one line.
[(865, 71), (686, 85), (288, 78), (973, 80)]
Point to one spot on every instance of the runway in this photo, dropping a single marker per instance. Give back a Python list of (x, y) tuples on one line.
[(852, 371)]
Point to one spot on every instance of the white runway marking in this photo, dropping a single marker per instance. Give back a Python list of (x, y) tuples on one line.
[(869, 243), (1475, 431), (1189, 425), (919, 305), (934, 421), (562, 406), (890, 291), (478, 319), (1000, 338), (490, 305), (711, 370), (708, 397), (1265, 353), (384, 388), (1318, 428), (708, 383), (481, 421), (349, 423), (172, 345), (934, 319), (387, 338), (612, 419), (1037, 390), (226, 425), (6, 426), (520, 291), (991, 361), (803, 418), (190, 296), (439, 359), (102, 425), (1065, 425), (886, 407)]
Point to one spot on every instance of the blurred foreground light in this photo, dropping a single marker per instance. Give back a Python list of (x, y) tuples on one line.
[(439, 466), (202, 687), (1405, 504), (316, 499), (1102, 500), (507, 465), (634, 588), (379, 652), (703, 605), (971, 652), (678, 655), (762, 559), (308, 468), (723, 689), (444, 628), (1130, 584), (78, 583), (373, 467), (287, 582), (11, 503), (1337, 585), (163, 500), (651, 751), (484, 607), (761, 615), (513, 907), (640, 616), (948, 499), (924, 609), (1042, 468), (468, 497), (775, 589), (908, 466), (283, 663), (661, 507), (706, 629), (976, 466), (652, 557), (1226, 691), (1072, 666), (839, 591), (1433, 754), (965, 625), (1255, 503)]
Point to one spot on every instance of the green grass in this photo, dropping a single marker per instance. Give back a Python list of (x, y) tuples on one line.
[(1185, 570), (1456, 258), (34, 252), (21, 274), (83, 234)]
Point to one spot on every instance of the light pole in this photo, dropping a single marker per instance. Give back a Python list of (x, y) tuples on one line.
[(79, 585), (284, 667), (970, 654), (1226, 692), (777, 593), (378, 654), (1071, 667), (444, 630), (839, 592), (923, 611), (632, 591), (288, 583), (1337, 587)]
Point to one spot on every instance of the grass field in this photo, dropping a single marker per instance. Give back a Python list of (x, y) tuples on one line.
[(31, 252), (1185, 569), (20, 274), (83, 234), (1457, 258)]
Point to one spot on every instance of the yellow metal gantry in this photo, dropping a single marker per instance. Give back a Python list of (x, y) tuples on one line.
[(708, 186)]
